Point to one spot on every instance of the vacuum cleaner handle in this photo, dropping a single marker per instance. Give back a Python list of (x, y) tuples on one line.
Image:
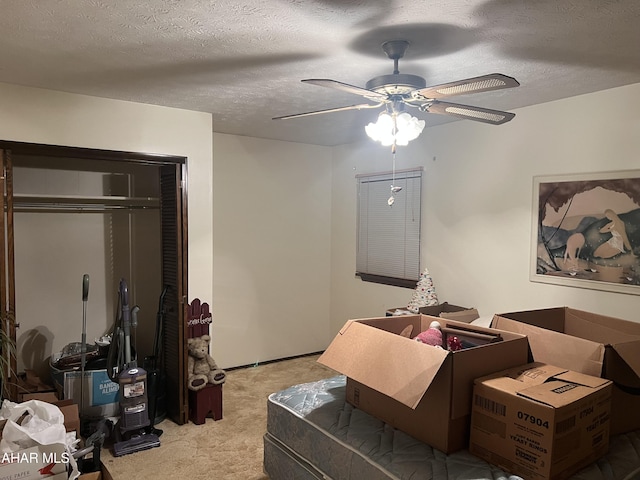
[(85, 287), (85, 297), (83, 344), (126, 321)]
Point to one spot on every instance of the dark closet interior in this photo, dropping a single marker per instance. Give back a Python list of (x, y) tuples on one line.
[(127, 213)]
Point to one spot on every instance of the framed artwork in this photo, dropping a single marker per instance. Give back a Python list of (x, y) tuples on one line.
[(586, 231)]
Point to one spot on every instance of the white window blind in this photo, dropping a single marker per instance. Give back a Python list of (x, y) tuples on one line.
[(388, 237)]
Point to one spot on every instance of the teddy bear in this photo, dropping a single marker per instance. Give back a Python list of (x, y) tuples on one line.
[(202, 368)]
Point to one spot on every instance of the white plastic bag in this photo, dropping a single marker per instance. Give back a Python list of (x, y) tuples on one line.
[(43, 425)]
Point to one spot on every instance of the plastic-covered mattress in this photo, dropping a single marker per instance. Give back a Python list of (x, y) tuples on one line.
[(313, 433)]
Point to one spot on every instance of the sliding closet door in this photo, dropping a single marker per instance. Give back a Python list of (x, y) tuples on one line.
[(173, 212), (7, 274)]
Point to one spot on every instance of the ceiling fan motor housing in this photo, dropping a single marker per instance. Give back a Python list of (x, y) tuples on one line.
[(396, 84)]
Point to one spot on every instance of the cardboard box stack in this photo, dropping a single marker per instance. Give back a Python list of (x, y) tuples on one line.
[(421, 390), (540, 421), (589, 343)]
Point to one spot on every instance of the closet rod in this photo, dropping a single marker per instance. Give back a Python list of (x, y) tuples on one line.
[(77, 208), (71, 202)]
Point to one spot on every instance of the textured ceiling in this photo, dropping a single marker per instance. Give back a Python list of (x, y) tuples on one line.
[(243, 61)]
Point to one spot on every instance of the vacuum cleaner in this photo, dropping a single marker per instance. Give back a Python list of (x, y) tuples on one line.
[(131, 431)]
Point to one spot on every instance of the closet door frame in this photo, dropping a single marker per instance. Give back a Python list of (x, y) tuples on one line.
[(173, 172)]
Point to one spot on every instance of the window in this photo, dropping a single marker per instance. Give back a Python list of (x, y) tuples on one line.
[(388, 237)]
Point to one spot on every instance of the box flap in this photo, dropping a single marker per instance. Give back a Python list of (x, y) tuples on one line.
[(630, 353), (552, 347), (626, 326), (515, 380), (621, 335), (548, 318), (555, 393), (466, 316), (398, 367), (595, 328), (582, 379), (518, 378)]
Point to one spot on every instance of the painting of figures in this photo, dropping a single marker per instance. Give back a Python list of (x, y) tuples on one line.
[(586, 231)]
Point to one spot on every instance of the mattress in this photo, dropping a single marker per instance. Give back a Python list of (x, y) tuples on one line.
[(313, 433)]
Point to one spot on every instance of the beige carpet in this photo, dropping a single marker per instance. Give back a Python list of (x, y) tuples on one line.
[(226, 449)]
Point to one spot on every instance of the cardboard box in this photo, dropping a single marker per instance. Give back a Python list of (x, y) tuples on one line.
[(398, 311), (540, 421), (444, 310), (422, 390), (91, 476), (71, 418), (29, 384), (101, 475), (49, 397), (588, 343), (452, 312)]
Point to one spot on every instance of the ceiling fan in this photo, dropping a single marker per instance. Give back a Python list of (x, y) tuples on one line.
[(400, 90)]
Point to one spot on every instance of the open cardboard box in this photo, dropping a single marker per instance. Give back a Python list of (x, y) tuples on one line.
[(101, 475), (422, 390), (444, 310), (540, 421), (589, 343), (452, 312)]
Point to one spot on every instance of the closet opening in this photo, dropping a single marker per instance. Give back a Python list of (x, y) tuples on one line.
[(72, 211)]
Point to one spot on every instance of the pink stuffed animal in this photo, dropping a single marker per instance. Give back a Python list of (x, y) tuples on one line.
[(431, 336)]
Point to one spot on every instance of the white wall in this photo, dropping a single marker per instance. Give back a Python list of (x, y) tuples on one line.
[(48, 117), (477, 204), (271, 249)]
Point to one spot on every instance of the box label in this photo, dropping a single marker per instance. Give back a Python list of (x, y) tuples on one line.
[(104, 390)]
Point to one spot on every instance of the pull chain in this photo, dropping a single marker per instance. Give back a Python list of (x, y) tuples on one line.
[(394, 187)]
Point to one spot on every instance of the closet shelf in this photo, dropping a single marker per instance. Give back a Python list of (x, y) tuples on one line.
[(23, 202)]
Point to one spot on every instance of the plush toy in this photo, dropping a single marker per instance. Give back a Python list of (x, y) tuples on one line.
[(454, 344), (202, 368), (431, 336)]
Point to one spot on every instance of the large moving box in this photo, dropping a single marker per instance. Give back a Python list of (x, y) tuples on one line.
[(422, 390), (588, 343), (540, 421)]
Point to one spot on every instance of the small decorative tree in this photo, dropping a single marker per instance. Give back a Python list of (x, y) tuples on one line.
[(424, 294)]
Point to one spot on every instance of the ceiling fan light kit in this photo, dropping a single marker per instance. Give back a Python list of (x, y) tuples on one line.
[(395, 128), (396, 91)]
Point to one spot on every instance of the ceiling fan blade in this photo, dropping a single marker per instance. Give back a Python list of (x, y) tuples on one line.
[(345, 87), (479, 114), (484, 83), (329, 110)]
